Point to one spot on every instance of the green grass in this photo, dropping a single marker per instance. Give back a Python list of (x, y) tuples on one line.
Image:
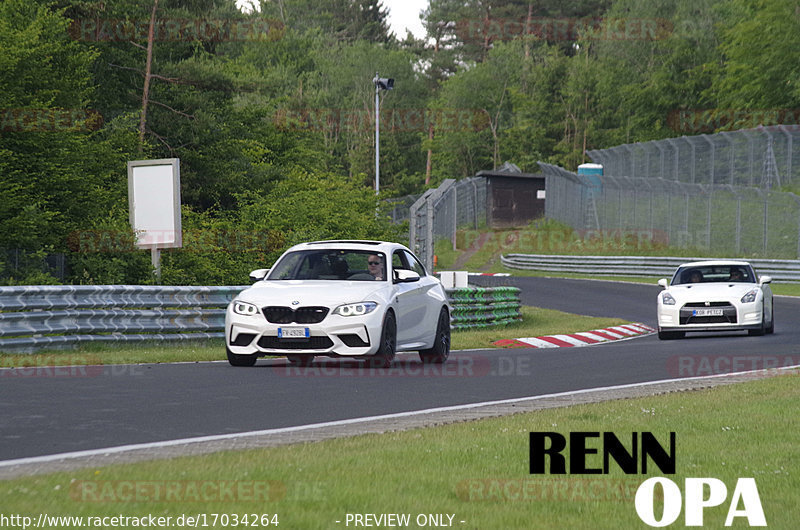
[(535, 322), (476, 470)]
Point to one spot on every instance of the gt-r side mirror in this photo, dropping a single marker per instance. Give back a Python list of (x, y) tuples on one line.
[(766, 279), (663, 283), (405, 276), (258, 274)]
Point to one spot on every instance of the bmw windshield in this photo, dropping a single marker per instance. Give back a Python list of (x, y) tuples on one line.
[(355, 265)]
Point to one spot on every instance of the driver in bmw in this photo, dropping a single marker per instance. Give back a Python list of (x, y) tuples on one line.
[(375, 264)]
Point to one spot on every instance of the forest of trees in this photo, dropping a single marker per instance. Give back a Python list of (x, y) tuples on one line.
[(270, 111)]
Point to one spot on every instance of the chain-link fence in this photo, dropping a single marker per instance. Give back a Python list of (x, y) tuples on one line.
[(438, 213), (760, 158), (18, 263), (723, 219)]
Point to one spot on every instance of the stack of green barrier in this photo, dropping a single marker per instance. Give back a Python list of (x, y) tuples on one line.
[(480, 307)]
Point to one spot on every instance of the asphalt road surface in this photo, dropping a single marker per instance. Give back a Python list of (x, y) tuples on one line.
[(71, 409)]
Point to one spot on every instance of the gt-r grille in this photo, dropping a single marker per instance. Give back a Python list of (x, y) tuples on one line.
[(688, 316), (301, 315), (311, 343)]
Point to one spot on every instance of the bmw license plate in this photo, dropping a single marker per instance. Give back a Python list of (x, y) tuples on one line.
[(293, 333), (707, 313)]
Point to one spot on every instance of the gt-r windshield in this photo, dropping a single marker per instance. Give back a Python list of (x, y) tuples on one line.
[(714, 273), (355, 265)]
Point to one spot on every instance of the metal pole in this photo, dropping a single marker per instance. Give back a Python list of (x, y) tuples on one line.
[(377, 136), (155, 259)]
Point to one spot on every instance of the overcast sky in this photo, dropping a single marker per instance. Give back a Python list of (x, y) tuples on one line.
[(405, 14)]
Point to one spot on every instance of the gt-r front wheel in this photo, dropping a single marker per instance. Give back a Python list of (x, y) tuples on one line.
[(760, 331), (441, 344), (240, 360), (385, 354)]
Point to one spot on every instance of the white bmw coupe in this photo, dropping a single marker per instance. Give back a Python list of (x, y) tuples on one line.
[(366, 299), (715, 296)]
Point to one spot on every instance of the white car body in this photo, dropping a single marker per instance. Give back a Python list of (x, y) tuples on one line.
[(293, 311), (706, 296)]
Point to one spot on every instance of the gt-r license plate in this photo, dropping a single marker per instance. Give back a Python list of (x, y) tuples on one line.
[(707, 313), (293, 333)]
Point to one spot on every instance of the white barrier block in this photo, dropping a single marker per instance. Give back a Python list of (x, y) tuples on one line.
[(448, 279)]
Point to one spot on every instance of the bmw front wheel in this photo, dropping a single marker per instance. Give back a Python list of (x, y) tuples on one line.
[(385, 354), (240, 360), (441, 344)]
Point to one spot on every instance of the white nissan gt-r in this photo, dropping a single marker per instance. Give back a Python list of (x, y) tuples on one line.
[(365, 299), (715, 296)]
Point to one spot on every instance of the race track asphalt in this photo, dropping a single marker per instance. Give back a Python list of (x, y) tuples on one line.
[(91, 408)]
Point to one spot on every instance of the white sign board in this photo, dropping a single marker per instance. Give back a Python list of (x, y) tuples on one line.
[(154, 197)]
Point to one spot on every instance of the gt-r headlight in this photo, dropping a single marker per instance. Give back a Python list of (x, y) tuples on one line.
[(355, 310), (750, 296), (667, 299), (243, 308)]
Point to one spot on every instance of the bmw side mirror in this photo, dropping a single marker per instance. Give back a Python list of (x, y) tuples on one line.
[(663, 283), (405, 276), (258, 274)]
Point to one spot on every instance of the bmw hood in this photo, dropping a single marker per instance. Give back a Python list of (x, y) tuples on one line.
[(313, 292), (710, 292)]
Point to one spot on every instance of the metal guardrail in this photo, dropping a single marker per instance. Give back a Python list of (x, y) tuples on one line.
[(781, 270), (62, 316), (33, 318)]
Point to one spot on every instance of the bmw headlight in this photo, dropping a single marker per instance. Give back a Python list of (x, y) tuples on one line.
[(750, 296), (667, 299), (243, 308), (355, 310)]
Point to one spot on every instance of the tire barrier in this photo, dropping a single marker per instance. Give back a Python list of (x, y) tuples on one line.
[(480, 307), (39, 317)]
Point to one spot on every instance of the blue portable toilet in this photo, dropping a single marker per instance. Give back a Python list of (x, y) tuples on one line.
[(592, 172)]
